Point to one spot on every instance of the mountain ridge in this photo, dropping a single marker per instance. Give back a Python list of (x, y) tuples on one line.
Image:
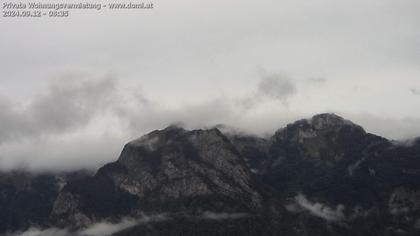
[(319, 176)]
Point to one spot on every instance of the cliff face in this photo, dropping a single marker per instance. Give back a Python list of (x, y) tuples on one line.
[(325, 157), (318, 176), (331, 169), (172, 170)]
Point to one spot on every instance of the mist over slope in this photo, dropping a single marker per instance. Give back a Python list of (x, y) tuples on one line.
[(319, 176)]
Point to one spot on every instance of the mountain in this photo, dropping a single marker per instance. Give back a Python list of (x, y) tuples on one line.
[(319, 176), (167, 171), (333, 169), (27, 198)]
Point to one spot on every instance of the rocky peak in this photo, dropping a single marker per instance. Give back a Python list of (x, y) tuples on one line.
[(167, 170), (172, 139), (329, 121), (190, 160), (331, 177), (322, 126), (158, 137)]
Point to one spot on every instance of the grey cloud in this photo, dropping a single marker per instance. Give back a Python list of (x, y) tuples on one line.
[(321, 210), (344, 42), (97, 229), (62, 153), (68, 104), (39, 232), (190, 115), (62, 128), (71, 103), (109, 228), (415, 91), (329, 39), (391, 128), (276, 86), (270, 86), (247, 103), (338, 214), (106, 228), (85, 122)]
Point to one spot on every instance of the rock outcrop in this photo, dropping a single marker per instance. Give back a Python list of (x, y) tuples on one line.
[(319, 176), (171, 170)]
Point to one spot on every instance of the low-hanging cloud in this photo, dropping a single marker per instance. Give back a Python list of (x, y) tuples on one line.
[(98, 229), (271, 86), (42, 232), (399, 129), (321, 210), (106, 228), (84, 122), (68, 104), (65, 127), (276, 86), (338, 214), (109, 228), (415, 91)]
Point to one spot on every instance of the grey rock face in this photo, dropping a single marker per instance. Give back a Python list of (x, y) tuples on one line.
[(190, 163), (346, 176), (171, 170), (319, 176)]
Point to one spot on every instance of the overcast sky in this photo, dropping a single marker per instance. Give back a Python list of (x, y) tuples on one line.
[(74, 90)]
